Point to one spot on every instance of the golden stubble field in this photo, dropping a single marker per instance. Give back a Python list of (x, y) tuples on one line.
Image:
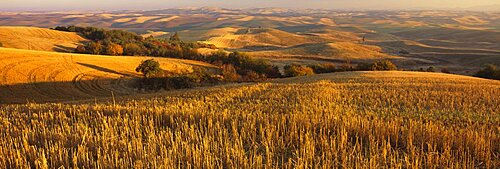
[(34, 38), (348, 120), (38, 76)]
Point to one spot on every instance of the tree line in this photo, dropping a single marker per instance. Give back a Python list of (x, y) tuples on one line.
[(121, 42)]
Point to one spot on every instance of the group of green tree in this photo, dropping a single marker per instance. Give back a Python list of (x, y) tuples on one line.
[(155, 78), (234, 67), (306, 70), (239, 67), (121, 42), (489, 72)]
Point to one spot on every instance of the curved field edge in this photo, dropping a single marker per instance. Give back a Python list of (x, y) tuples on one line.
[(353, 119), (37, 76)]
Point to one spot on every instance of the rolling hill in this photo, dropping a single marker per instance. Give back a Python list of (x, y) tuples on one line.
[(274, 43), (43, 39), (40, 76), (335, 50), (258, 37)]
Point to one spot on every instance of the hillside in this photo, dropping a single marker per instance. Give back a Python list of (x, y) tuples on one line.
[(337, 50), (39, 76), (43, 39), (349, 120), (258, 37), (315, 45)]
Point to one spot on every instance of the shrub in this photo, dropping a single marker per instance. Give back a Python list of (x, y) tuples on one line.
[(244, 64), (430, 69), (382, 65), (323, 68), (179, 82), (229, 73), (149, 68), (132, 49), (200, 75), (252, 76), (1, 44), (169, 81), (94, 48), (445, 70), (114, 49), (298, 70), (81, 49), (489, 72), (175, 37), (273, 72)]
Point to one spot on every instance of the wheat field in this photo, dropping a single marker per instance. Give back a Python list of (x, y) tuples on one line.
[(339, 120), (39, 76), (34, 38)]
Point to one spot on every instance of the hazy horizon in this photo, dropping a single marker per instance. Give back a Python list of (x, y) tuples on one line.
[(55, 5)]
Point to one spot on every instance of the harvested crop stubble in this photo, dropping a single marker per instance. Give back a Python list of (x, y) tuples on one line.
[(351, 120)]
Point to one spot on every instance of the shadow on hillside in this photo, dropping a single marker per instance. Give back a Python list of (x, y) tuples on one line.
[(76, 90), (61, 48), (104, 69)]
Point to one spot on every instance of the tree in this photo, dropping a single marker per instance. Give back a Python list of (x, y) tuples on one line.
[(175, 37), (1, 44), (132, 49), (298, 70), (94, 48), (384, 65), (489, 72), (323, 68), (430, 69), (149, 68), (445, 70), (114, 49), (80, 49), (381, 65), (229, 73)]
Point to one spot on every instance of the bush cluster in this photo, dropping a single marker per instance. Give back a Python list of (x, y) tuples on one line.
[(489, 72), (324, 68), (301, 70), (239, 66), (429, 69), (298, 70), (155, 78), (149, 68), (120, 42), (381, 65)]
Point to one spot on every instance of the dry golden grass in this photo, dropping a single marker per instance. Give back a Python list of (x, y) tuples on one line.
[(338, 50), (38, 39), (341, 120), (49, 76), (258, 37), (470, 20), (167, 19)]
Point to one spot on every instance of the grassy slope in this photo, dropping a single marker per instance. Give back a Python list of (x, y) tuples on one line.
[(38, 39), (48, 76), (352, 119), (274, 43), (258, 37)]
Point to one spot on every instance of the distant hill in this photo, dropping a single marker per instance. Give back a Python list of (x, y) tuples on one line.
[(256, 37), (43, 39), (490, 8), (337, 50)]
